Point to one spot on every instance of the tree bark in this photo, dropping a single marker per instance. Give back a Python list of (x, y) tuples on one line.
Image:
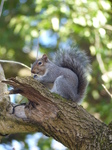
[(63, 120), (8, 120)]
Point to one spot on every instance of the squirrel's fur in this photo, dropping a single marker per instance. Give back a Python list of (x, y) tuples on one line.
[(68, 73)]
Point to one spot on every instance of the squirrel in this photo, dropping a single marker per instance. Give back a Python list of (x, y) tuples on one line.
[(67, 73)]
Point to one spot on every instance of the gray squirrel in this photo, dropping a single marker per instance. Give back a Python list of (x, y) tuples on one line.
[(67, 73)]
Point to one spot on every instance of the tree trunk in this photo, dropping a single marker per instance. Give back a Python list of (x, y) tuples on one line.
[(63, 120)]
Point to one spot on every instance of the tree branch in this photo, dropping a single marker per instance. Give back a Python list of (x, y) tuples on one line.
[(63, 120), (11, 116)]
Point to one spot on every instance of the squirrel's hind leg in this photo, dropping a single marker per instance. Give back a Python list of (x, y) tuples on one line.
[(61, 87)]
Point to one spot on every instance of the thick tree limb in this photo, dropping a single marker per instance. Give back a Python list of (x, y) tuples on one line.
[(64, 120), (9, 121)]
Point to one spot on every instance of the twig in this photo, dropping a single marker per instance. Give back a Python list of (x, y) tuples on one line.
[(15, 62), (107, 90), (1, 7), (38, 44)]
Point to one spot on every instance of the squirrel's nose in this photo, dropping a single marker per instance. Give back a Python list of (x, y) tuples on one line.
[(32, 71)]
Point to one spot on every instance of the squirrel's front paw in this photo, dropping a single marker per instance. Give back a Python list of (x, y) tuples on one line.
[(35, 76)]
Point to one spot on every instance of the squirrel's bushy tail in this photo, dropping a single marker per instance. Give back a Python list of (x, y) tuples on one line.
[(77, 61)]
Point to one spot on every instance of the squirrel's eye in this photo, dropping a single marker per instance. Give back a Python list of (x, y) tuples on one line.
[(39, 63)]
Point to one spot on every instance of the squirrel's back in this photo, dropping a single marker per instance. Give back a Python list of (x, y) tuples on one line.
[(77, 61)]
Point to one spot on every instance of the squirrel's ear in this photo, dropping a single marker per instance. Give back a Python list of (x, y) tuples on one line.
[(45, 57)]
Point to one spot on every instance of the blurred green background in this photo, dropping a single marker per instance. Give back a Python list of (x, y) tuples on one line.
[(86, 23)]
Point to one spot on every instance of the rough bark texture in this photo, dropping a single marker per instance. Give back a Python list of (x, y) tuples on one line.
[(8, 120), (63, 120)]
